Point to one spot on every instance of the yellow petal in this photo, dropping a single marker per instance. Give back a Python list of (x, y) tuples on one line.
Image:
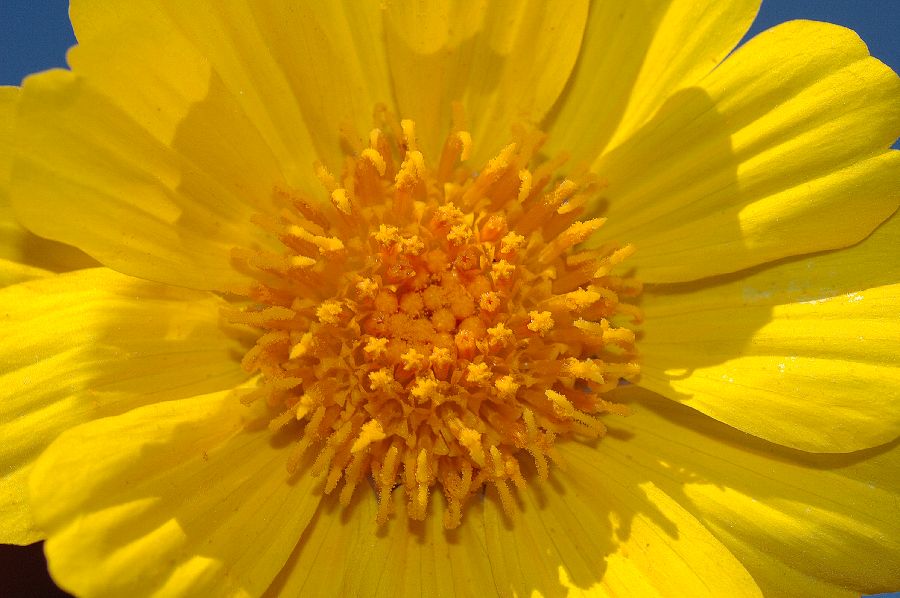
[(505, 61), (12, 272), (802, 524), (90, 344), (299, 71), (175, 498), (602, 528), (634, 56), (782, 150), (92, 175), (210, 50), (23, 255), (803, 354), (344, 553), (119, 57), (8, 97)]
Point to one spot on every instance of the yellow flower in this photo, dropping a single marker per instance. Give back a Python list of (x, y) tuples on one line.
[(350, 324)]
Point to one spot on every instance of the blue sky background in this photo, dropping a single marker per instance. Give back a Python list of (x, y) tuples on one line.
[(34, 34)]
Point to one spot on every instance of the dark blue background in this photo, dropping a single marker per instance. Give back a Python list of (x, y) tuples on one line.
[(34, 34)]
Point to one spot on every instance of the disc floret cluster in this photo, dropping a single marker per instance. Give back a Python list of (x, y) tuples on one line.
[(437, 327)]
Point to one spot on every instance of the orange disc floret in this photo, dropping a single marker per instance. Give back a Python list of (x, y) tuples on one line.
[(429, 328)]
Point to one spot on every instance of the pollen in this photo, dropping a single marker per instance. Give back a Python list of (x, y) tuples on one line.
[(376, 347), (499, 334), (502, 270), (478, 372), (412, 360), (506, 386), (430, 326), (540, 322), (329, 312)]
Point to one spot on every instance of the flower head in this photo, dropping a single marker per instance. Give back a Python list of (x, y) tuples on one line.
[(478, 299)]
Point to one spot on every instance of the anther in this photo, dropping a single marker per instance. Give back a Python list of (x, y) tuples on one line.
[(540, 322)]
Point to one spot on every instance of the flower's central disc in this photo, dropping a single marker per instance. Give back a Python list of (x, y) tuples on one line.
[(431, 326)]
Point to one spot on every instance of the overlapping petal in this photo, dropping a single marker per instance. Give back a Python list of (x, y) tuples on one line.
[(23, 255), (802, 524), (90, 344), (604, 527), (13, 267), (505, 62), (599, 528), (782, 150), (162, 159), (187, 497), (803, 353), (89, 174), (215, 53), (299, 71), (634, 57)]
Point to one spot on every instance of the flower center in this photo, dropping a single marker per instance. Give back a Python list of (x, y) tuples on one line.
[(435, 327)]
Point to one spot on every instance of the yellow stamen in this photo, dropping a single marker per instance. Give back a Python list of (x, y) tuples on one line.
[(427, 326), (499, 334), (376, 347), (511, 243), (540, 322), (478, 372), (302, 347), (502, 270), (329, 312), (370, 432), (381, 379), (506, 386), (367, 288)]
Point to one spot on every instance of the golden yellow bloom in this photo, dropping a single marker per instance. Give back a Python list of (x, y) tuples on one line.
[(340, 300), (387, 331)]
